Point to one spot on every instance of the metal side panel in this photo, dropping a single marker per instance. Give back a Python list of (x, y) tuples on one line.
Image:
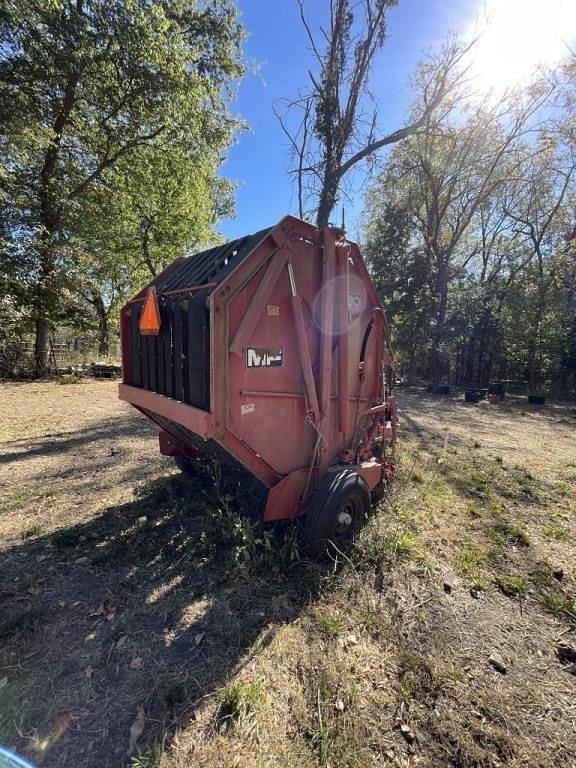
[(193, 419)]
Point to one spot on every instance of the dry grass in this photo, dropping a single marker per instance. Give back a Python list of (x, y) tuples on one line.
[(122, 587)]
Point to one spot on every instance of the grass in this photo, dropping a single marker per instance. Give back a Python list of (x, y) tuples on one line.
[(333, 731), (67, 538), (508, 533), (469, 560), (10, 701), (512, 586), (69, 378), (330, 625), (555, 531), (34, 530), (417, 476), (558, 604), (240, 704), (148, 757), (253, 655), (417, 678)]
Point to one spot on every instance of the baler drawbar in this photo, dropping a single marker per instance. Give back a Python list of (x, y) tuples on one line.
[(271, 355)]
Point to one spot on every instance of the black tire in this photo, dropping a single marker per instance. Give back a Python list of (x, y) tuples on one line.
[(343, 493)]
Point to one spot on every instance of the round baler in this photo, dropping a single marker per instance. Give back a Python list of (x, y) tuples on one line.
[(271, 356)]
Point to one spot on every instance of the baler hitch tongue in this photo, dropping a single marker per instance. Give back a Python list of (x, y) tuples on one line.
[(270, 355)]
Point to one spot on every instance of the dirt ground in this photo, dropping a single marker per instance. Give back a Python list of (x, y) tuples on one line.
[(144, 624)]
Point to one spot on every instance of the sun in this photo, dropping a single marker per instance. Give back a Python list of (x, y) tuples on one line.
[(518, 36)]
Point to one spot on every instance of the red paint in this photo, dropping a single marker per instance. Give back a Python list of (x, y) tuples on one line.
[(313, 405)]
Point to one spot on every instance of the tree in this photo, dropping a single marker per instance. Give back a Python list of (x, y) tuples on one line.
[(151, 208), (449, 173), (84, 84), (335, 131), (402, 275), (545, 180)]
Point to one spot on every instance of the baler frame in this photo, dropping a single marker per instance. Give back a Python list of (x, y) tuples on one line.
[(288, 494)]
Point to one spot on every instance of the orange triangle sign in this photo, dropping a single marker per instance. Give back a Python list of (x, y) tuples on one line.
[(150, 317)]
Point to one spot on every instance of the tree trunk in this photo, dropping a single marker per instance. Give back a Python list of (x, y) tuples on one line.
[(535, 351), (535, 357), (437, 353), (103, 328), (51, 221), (42, 347), (328, 197)]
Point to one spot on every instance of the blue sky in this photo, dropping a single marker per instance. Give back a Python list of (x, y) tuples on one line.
[(278, 46)]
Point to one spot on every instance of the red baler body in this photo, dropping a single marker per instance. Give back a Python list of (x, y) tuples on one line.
[(278, 361)]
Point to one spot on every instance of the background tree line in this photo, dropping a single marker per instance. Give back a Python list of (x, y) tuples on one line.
[(471, 235), (114, 121), (470, 221)]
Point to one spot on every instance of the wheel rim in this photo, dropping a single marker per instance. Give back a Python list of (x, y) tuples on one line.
[(346, 517)]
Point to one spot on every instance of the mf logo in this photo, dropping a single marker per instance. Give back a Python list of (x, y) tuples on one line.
[(259, 357)]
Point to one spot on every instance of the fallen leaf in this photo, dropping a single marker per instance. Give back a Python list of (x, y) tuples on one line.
[(88, 672), (122, 642), (89, 637), (81, 561), (199, 637), (40, 558), (61, 603), (136, 730), (137, 664)]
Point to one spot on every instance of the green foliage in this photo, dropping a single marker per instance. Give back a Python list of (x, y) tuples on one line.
[(113, 125), (330, 625), (240, 703), (148, 757), (469, 240)]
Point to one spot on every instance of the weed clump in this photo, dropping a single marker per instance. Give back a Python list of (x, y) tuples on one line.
[(239, 705), (508, 533), (330, 625), (555, 531)]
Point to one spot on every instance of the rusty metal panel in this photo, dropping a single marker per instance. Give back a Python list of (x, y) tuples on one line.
[(283, 362), (194, 419)]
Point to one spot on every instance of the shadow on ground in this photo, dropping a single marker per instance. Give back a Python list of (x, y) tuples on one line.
[(155, 603), (65, 442)]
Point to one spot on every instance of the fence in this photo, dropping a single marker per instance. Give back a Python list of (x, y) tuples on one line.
[(17, 358)]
